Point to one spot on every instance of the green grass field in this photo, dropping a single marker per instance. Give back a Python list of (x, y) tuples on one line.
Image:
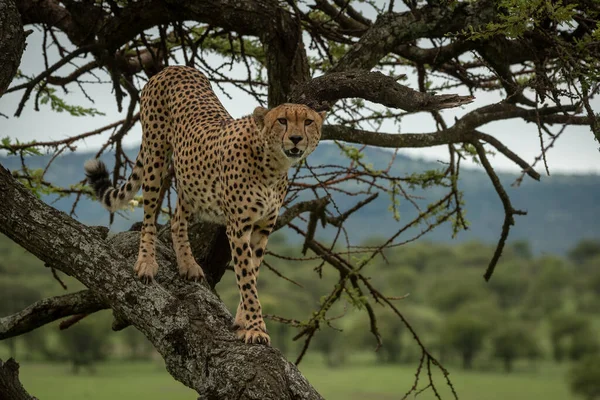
[(150, 381)]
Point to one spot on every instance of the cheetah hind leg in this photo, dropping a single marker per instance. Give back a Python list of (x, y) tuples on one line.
[(146, 266), (188, 267)]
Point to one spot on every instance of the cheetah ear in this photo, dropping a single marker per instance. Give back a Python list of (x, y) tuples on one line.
[(323, 114), (259, 117)]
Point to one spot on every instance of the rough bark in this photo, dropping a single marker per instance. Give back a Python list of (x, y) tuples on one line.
[(185, 321), (395, 29), (49, 310), (320, 93), (12, 42), (10, 386)]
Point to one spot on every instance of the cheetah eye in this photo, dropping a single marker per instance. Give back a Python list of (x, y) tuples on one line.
[(282, 121), (307, 122)]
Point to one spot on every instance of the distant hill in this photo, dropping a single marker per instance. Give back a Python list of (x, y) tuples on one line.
[(562, 209)]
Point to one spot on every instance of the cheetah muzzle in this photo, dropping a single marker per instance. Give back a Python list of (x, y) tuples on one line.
[(228, 171)]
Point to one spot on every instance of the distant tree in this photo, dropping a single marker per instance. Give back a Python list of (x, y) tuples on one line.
[(546, 294), (583, 342), (593, 283), (138, 347), (465, 332), (572, 336), (455, 289), (392, 331), (511, 284), (585, 250), (330, 343), (84, 344), (513, 340), (522, 249), (36, 344), (584, 377), (14, 297)]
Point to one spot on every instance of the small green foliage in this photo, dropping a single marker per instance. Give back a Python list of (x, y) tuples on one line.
[(429, 178), (48, 96), (521, 16), (351, 152), (354, 297), (395, 191), (11, 146)]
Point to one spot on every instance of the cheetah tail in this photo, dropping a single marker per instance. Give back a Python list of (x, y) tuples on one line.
[(113, 198)]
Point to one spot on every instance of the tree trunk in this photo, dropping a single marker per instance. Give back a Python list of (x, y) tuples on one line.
[(12, 42), (508, 364), (185, 321), (467, 360)]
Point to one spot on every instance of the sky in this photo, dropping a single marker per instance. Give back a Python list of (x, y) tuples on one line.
[(576, 151)]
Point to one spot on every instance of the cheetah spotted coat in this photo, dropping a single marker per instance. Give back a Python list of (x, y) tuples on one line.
[(229, 171)]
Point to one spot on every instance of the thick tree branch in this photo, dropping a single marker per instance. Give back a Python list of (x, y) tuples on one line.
[(49, 310), (390, 140), (279, 31), (320, 93), (12, 42), (395, 29), (185, 321), (10, 386)]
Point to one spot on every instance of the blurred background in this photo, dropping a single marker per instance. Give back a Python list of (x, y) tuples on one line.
[(531, 332)]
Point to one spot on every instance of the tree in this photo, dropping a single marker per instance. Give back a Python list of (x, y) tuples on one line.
[(584, 251), (572, 336), (464, 289), (584, 377), (465, 332), (137, 345), (539, 57), (85, 343), (12, 42), (513, 341), (12, 299)]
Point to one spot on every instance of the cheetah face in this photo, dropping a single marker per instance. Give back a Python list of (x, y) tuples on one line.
[(293, 129)]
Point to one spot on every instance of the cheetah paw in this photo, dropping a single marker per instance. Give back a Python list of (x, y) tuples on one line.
[(189, 269), (253, 335), (146, 270)]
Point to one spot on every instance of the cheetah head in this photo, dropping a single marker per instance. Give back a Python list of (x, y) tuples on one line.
[(294, 129)]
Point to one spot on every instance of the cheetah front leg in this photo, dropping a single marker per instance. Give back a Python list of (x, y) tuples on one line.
[(249, 322), (188, 267), (258, 243), (260, 237)]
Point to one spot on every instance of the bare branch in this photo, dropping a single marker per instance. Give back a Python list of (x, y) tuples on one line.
[(298, 209), (49, 310), (509, 211)]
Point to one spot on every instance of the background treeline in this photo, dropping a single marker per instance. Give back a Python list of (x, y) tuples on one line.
[(535, 309), (557, 200)]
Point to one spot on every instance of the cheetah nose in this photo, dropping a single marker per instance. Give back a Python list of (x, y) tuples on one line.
[(296, 139)]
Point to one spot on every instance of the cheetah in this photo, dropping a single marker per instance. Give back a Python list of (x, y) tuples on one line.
[(229, 171)]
